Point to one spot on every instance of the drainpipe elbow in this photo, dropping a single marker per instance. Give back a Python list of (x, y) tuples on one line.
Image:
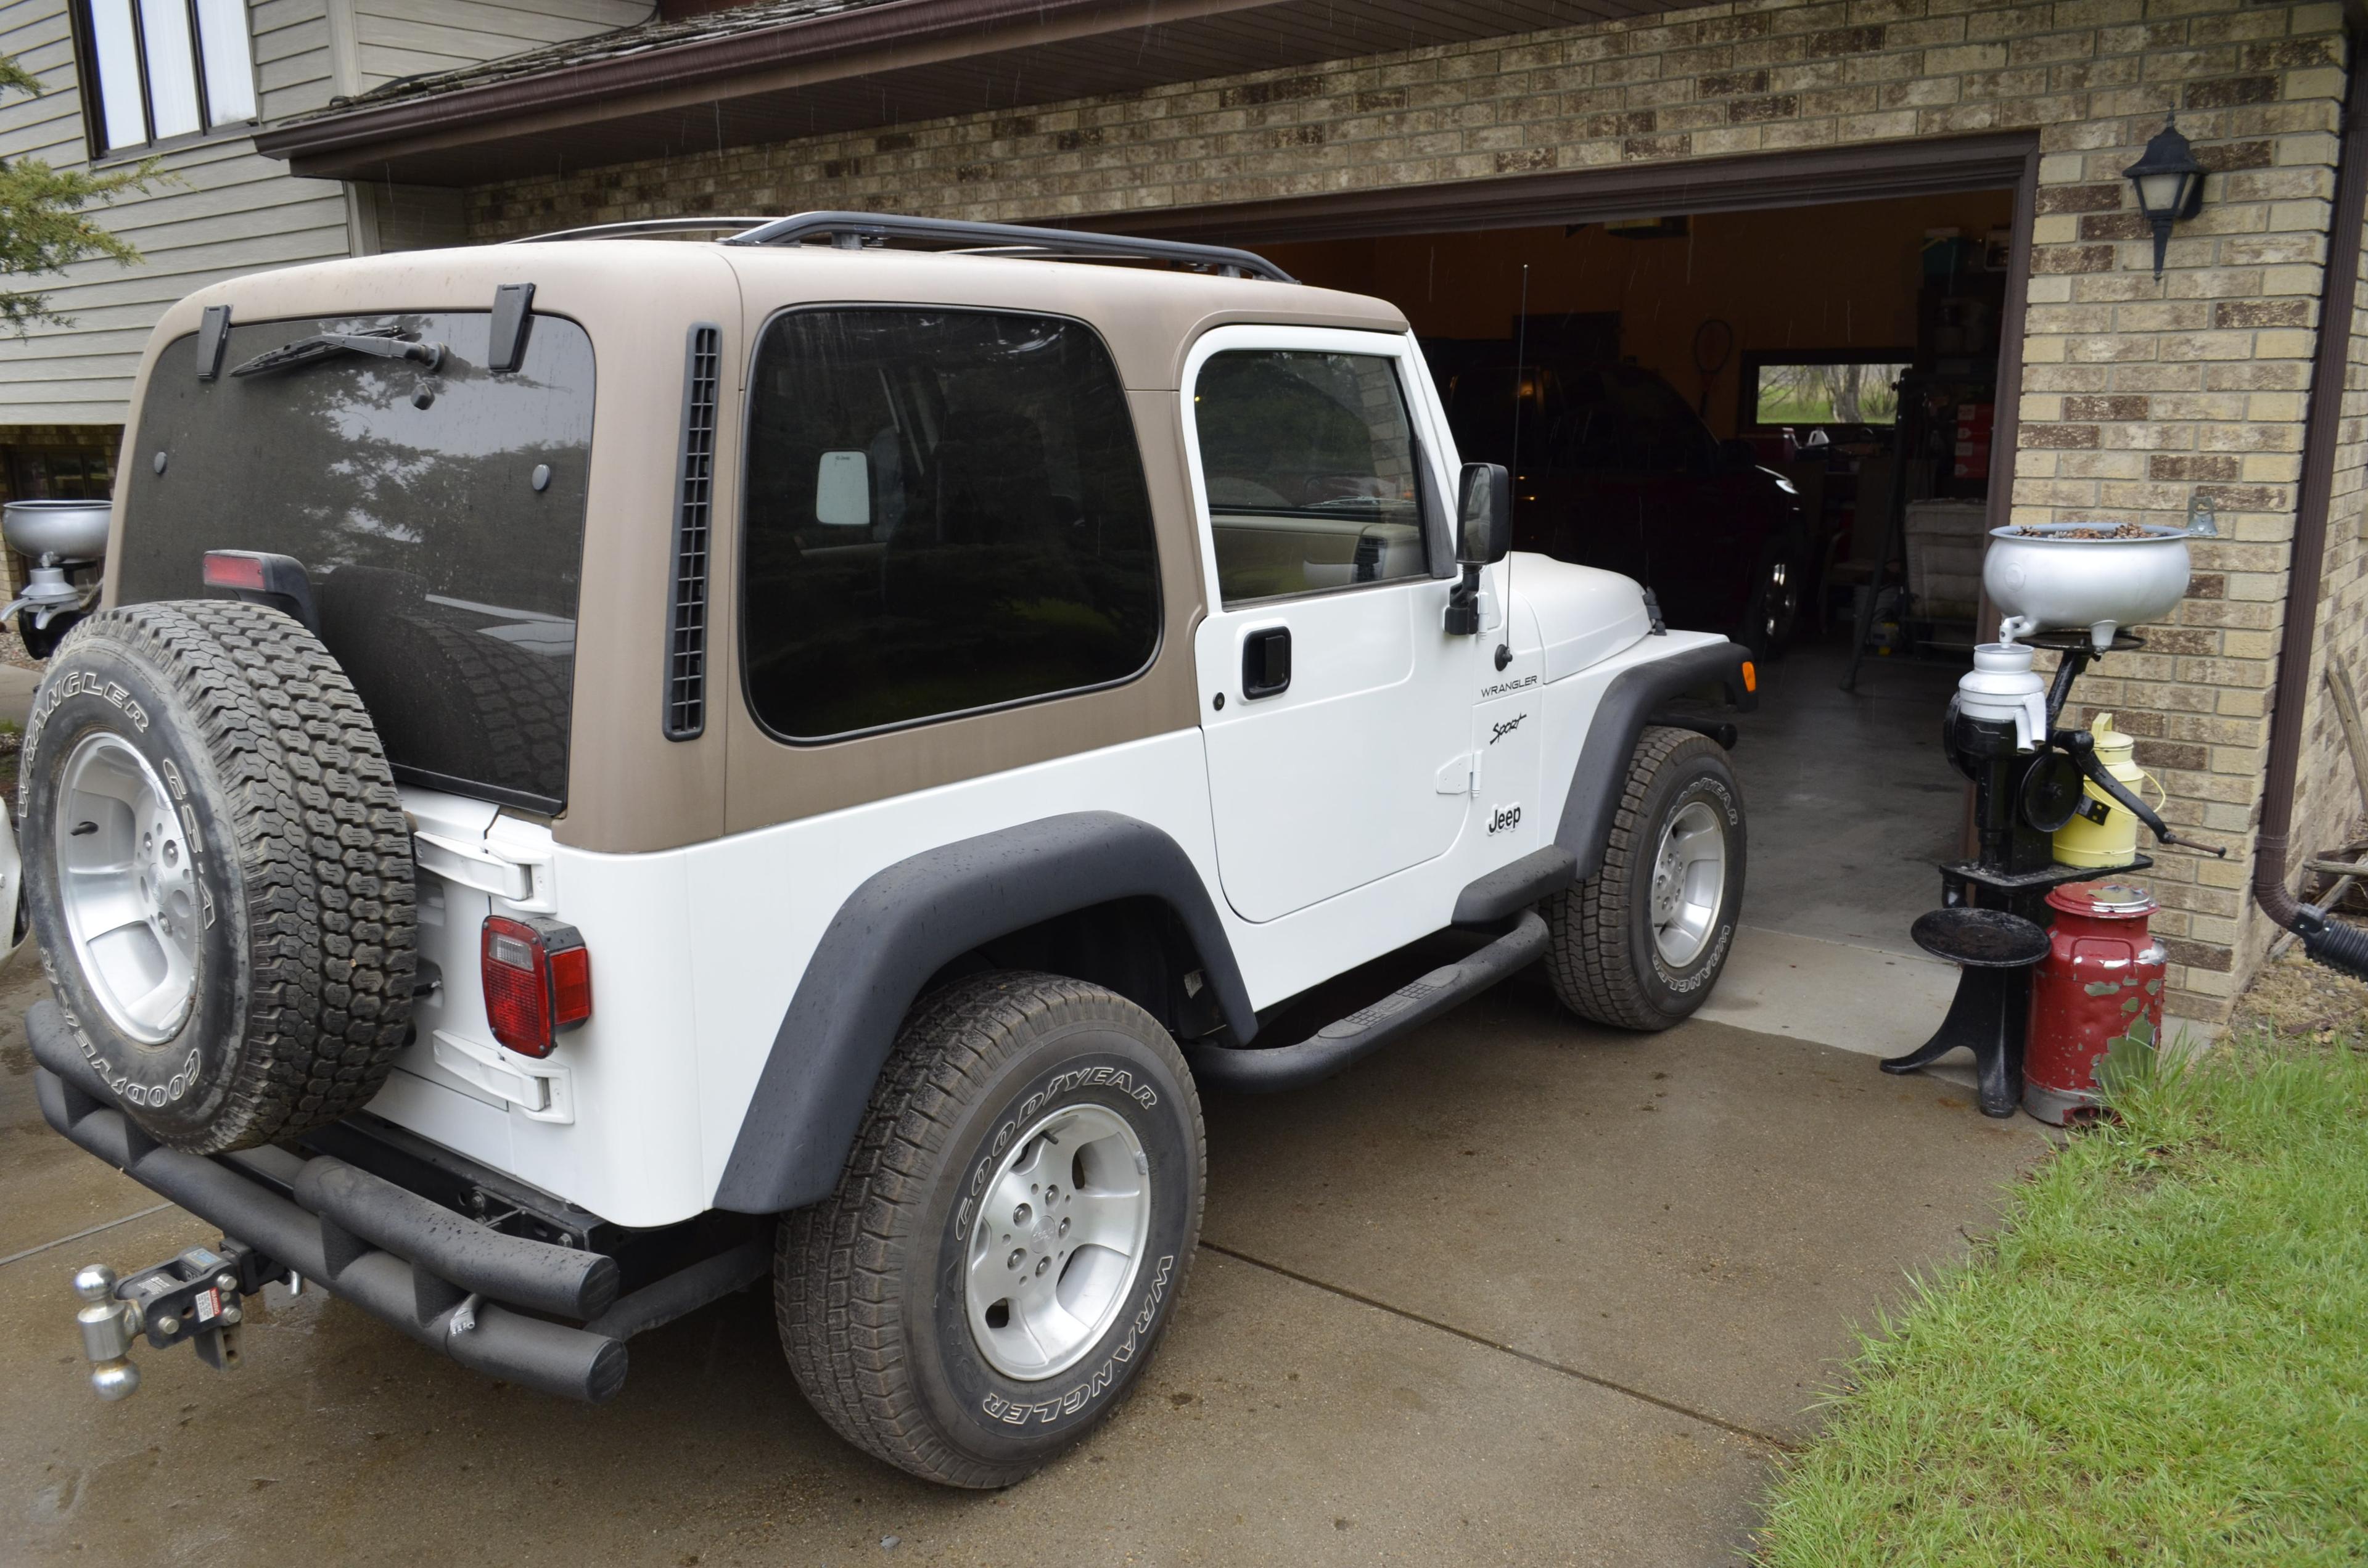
[(2270, 882)]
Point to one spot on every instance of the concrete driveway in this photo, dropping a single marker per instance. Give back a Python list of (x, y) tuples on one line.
[(1519, 1290)]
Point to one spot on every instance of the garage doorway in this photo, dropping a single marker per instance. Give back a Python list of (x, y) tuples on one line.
[(1783, 310)]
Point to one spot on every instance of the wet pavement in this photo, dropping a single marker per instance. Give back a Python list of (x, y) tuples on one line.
[(1517, 1290)]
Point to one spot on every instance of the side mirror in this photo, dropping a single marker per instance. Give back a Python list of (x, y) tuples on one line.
[(1484, 532), (1483, 515)]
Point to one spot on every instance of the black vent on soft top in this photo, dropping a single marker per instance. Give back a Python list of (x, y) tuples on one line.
[(686, 678)]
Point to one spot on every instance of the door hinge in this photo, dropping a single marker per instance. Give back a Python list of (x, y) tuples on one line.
[(1461, 777)]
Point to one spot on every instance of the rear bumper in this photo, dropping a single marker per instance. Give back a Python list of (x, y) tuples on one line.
[(403, 1259)]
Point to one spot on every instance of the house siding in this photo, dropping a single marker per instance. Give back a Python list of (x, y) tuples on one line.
[(220, 210), (223, 209), (2138, 396), (409, 38)]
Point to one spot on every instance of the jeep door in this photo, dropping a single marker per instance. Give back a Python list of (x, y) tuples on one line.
[(1335, 708)]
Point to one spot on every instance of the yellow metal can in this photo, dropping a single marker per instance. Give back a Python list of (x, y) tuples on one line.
[(2113, 841)]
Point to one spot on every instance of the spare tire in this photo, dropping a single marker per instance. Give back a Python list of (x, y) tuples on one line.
[(218, 871)]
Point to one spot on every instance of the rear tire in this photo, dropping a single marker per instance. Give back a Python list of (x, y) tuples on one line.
[(218, 871), (950, 1197), (1640, 944)]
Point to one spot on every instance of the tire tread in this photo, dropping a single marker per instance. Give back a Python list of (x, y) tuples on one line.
[(836, 1264), (323, 852), (1590, 960)]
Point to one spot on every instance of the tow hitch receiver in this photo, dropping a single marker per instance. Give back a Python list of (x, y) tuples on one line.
[(199, 1296)]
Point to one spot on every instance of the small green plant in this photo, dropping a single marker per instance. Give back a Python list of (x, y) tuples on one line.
[(44, 224)]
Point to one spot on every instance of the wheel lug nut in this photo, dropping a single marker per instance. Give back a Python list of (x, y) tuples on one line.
[(1018, 1256), (1021, 1215), (1064, 1227), (1043, 1264)]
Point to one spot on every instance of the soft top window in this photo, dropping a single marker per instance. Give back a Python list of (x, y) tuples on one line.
[(438, 512), (946, 512)]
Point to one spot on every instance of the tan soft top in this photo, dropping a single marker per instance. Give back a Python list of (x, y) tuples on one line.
[(1149, 315), (631, 788)]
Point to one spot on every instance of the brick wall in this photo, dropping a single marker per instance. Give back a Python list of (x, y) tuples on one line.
[(2140, 396)]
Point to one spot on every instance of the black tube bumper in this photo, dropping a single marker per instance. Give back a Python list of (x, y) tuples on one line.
[(390, 1252)]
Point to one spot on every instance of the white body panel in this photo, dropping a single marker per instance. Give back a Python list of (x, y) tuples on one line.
[(1329, 830)]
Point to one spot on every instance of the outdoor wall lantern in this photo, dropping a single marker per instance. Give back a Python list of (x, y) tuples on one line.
[(2169, 182)]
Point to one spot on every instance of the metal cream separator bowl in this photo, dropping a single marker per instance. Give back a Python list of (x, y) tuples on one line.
[(2043, 580)]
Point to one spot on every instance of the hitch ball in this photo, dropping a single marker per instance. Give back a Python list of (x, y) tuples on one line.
[(108, 1328)]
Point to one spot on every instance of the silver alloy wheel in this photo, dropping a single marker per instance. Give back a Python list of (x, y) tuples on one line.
[(128, 888), (1781, 603), (1689, 880), (1059, 1241)]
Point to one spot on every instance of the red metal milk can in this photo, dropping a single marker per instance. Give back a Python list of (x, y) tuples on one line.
[(2101, 979)]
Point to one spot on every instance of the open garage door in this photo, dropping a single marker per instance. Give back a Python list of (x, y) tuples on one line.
[(1749, 383)]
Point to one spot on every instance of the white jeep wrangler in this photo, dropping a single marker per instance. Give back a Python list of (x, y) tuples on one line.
[(609, 769)]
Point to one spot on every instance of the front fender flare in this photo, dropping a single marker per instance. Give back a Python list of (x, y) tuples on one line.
[(1619, 718), (902, 926)]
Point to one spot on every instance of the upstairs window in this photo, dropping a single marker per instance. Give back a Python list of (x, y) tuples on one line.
[(158, 70)]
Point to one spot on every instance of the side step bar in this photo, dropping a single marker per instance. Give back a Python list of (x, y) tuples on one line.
[(1250, 1070)]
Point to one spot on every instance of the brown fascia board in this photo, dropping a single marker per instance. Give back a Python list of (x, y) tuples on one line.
[(361, 141), (1744, 182)]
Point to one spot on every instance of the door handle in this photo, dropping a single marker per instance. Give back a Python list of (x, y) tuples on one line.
[(1265, 661)]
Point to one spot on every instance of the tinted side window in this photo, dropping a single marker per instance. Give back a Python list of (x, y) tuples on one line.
[(946, 511), (1642, 417), (1481, 411), (1311, 468)]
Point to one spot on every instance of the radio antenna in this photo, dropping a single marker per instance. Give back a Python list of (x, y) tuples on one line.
[(1520, 358)]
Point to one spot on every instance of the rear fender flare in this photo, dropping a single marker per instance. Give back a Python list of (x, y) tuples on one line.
[(1626, 707), (905, 924)]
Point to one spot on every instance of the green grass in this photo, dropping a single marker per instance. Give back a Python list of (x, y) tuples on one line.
[(2161, 1359)]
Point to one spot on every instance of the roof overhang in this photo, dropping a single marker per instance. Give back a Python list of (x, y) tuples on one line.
[(896, 62)]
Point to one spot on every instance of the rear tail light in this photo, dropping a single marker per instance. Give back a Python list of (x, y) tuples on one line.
[(537, 979)]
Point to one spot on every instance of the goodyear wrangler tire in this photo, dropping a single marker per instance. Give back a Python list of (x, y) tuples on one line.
[(218, 871), (1640, 944), (1010, 1237)]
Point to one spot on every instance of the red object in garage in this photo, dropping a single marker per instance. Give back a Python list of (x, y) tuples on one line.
[(2102, 976)]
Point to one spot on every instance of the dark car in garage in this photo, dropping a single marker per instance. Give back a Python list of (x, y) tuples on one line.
[(1615, 470)]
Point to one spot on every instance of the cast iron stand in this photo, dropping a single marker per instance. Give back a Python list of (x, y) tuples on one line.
[(1993, 920)]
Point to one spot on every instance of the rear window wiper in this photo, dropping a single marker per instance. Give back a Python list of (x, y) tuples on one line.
[(382, 341)]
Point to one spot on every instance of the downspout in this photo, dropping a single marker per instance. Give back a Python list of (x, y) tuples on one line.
[(2334, 943)]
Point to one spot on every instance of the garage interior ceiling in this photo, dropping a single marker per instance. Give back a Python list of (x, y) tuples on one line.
[(1843, 277)]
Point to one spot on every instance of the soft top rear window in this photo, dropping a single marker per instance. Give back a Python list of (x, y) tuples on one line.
[(438, 512)]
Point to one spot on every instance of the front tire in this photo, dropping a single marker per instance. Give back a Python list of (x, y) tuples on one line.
[(1640, 944), (1008, 1239)]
